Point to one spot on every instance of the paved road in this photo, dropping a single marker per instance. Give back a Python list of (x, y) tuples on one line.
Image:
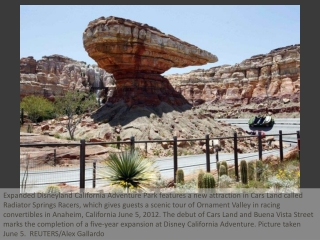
[(188, 163), (287, 125)]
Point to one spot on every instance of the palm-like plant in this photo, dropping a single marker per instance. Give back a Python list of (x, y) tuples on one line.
[(129, 170)]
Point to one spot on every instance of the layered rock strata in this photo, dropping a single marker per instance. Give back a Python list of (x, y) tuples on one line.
[(55, 74), (272, 76), (136, 54)]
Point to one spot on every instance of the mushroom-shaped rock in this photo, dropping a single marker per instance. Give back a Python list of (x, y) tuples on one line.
[(136, 54)]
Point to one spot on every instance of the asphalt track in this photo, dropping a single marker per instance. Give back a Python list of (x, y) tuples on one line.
[(190, 164)]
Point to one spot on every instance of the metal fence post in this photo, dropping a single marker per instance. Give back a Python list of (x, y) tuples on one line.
[(260, 145), (175, 158), (207, 153), (118, 140), (280, 145), (54, 157), (236, 156), (146, 149), (94, 173), (298, 140), (217, 155), (21, 116), (132, 144), (82, 164)]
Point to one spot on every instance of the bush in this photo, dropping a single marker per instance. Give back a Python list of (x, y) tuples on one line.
[(225, 181), (129, 170), (38, 108), (74, 105)]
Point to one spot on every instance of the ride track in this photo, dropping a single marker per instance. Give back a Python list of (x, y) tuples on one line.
[(190, 164)]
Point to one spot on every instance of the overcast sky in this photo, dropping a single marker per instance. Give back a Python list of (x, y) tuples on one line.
[(232, 33)]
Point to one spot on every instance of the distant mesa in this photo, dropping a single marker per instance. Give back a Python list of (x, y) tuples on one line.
[(136, 54)]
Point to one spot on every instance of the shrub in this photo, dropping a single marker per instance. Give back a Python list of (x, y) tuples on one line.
[(225, 181), (129, 170), (188, 186), (38, 108), (74, 105)]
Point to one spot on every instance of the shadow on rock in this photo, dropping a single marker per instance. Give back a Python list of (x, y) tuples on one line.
[(121, 114)]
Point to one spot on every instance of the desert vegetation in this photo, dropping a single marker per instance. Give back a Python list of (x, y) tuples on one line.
[(278, 177)]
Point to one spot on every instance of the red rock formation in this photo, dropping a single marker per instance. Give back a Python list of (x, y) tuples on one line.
[(53, 75), (136, 54), (240, 84), (277, 71), (28, 65)]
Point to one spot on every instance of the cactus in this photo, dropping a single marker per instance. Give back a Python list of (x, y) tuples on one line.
[(200, 179), (218, 166), (208, 181), (52, 189), (180, 176), (259, 170), (222, 170), (29, 129), (244, 171), (226, 165), (250, 171)]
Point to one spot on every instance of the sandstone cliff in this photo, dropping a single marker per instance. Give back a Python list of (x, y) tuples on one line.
[(53, 75), (262, 81)]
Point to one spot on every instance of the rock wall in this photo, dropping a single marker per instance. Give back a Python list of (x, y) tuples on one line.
[(275, 76), (240, 84), (55, 74)]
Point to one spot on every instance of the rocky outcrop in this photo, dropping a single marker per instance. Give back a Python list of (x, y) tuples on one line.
[(190, 124), (54, 75), (136, 54), (272, 76), (51, 76)]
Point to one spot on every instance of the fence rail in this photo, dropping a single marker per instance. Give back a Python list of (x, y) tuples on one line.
[(82, 145)]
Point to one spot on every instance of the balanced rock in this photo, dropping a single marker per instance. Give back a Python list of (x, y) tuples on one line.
[(136, 54)]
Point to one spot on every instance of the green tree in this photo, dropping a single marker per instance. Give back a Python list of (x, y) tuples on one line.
[(37, 108), (129, 170), (74, 105)]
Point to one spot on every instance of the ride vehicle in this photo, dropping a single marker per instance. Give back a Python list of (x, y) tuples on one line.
[(261, 121)]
